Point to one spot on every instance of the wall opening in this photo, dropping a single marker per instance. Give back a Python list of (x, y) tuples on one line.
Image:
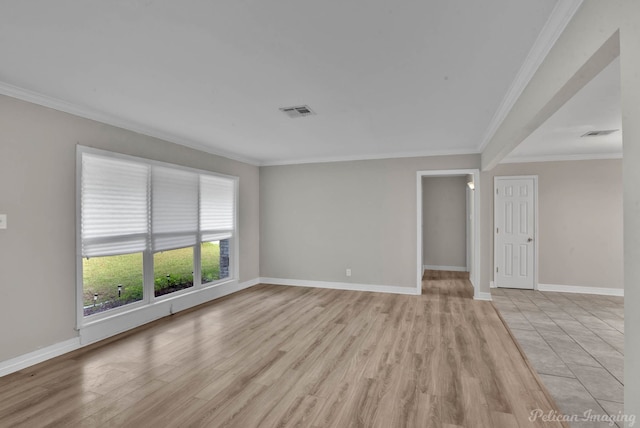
[(450, 238)]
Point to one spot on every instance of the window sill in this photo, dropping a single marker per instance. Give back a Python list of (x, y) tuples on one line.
[(101, 328)]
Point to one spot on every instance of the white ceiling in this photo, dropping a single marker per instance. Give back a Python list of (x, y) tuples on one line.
[(595, 107), (398, 78)]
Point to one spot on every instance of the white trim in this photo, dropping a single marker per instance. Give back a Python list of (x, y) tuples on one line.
[(559, 18), (558, 158), (536, 247), (474, 274), (468, 225), (38, 356), (147, 161), (419, 225), (79, 268), (119, 122), (481, 295), (553, 28), (81, 320), (118, 323), (391, 155), (349, 286), (492, 284), (235, 242), (98, 330), (581, 289), (449, 268)]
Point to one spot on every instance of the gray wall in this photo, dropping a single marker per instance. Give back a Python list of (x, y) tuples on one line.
[(580, 221), (37, 191), (319, 219), (316, 220), (444, 224), (313, 221)]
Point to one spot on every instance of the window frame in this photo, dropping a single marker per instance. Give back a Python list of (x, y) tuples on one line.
[(149, 299)]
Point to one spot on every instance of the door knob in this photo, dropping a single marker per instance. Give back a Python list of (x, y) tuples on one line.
[(530, 239)]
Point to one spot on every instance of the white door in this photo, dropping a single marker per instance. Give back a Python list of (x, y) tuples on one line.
[(515, 232)]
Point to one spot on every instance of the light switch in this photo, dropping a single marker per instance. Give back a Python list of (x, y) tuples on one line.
[(3, 221)]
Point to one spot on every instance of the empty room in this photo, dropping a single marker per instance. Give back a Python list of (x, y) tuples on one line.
[(383, 214)]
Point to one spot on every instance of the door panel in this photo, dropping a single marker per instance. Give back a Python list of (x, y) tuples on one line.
[(514, 233)]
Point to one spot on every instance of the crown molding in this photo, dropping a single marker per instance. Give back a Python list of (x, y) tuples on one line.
[(553, 28), (558, 20), (382, 156), (555, 158), (93, 114)]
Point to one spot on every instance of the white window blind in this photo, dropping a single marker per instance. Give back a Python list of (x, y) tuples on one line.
[(174, 208), (217, 202), (114, 206), (129, 206)]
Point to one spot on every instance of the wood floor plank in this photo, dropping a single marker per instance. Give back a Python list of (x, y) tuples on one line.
[(96, 412), (289, 408), (475, 407), (274, 356)]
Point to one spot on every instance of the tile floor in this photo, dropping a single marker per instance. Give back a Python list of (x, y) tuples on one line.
[(576, 344)]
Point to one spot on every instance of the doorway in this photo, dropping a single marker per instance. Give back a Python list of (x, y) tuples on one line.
[(472, 229), (515, 232)]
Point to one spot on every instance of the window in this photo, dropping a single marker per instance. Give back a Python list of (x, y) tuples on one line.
[(148, 230)]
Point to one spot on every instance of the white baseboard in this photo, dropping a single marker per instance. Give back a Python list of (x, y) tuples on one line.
[(108, 327), (492, 284), (350, 286), (482, 296), (581, 289), (449, 268), (38, 356)]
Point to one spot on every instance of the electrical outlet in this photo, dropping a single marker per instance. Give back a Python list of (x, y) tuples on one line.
[(348, 272), (3, 221)]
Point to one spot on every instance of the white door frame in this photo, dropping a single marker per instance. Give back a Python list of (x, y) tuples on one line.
[(535, 225), (474, 274)]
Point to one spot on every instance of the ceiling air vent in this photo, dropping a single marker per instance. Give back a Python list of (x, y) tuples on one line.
[(599, 133), (297, 111)]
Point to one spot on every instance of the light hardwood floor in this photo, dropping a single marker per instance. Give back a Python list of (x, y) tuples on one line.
[(287, 356)]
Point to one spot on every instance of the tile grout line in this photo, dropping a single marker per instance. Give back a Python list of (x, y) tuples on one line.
[(554, 351), (534, 372), (583, 348)]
